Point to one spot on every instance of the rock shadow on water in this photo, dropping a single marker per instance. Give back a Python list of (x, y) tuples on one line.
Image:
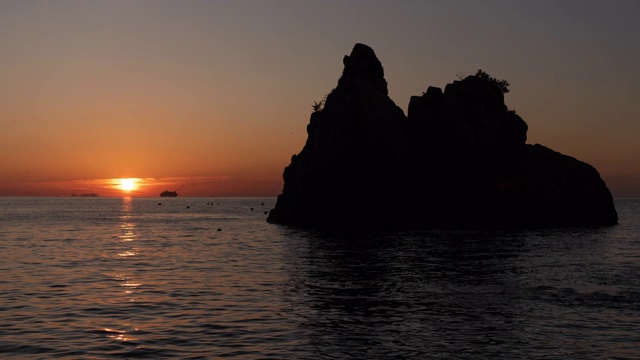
[(450, 292), (405, 294)]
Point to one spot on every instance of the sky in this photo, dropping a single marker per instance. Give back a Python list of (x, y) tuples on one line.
[(213, 97)]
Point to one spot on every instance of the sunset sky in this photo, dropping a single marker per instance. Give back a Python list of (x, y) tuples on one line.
[(213, 97)]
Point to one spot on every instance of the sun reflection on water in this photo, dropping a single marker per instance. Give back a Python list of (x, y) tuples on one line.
[(128, 234), (127, 227), (125, 250), (119, 335)]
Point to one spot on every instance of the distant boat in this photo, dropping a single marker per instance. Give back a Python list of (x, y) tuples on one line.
[(168, 193)]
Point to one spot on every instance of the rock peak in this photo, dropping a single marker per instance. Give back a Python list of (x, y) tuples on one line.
[(363, 69)]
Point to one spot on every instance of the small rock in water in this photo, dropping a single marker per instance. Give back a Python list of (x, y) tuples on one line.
[(159, 203), (219, 229)]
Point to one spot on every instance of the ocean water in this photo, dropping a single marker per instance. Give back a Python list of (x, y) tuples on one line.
[(206, 278)]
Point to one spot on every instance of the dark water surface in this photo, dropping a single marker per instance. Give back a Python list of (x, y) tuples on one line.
[(100, 278)]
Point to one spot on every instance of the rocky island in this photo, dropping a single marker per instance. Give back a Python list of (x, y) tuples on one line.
[(87, 195), (459, 158)]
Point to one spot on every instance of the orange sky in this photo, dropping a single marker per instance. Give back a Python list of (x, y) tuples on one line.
[(213, 98)]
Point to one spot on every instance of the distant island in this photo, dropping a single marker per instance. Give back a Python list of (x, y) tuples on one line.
[(459, 158), (86, 195), (168, 193)]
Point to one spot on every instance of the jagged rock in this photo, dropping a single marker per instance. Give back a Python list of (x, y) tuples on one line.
[(458, 159)]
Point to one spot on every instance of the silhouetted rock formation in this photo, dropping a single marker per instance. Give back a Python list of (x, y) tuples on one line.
[(86, 195), (458, 159)]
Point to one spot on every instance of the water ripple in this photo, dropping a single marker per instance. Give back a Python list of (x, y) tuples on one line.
[(112, 278)]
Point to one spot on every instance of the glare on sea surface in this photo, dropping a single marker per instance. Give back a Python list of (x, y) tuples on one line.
[(120, 335)]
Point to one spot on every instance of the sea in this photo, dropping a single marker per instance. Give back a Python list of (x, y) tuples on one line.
[(208, 278)]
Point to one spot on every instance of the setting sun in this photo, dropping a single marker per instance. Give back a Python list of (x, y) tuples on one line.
[(128, 184)]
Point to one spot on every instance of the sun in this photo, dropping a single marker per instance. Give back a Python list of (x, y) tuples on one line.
[(128, 184)]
